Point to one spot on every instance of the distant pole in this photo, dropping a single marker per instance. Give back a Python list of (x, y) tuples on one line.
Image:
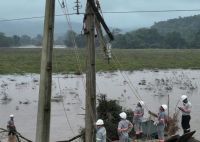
[(44, 103), (90, 116)]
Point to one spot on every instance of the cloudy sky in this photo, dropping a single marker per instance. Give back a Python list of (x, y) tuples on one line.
[(29, 8)]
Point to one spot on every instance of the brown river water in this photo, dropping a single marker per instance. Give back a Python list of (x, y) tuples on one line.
[(152, 86)]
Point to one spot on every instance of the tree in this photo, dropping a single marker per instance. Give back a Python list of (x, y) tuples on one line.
[(37, 41), (149, 38), (109, 111), (196, 42), (116, 31), (5, 41), (25, 40), (142, 38), (174, 40), (69, 40), (81, 40), (16, 40)]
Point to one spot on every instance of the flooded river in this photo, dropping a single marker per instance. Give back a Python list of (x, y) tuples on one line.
[(68, 116)]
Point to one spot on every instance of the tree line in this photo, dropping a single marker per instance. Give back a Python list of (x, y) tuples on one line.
[(15, 40), (138, 39)]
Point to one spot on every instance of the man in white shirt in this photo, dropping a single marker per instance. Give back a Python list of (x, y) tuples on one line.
[(101, 131), (137, 118), (186, 110), (124, 127)]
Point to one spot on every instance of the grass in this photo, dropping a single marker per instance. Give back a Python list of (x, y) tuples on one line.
[(21, 60)]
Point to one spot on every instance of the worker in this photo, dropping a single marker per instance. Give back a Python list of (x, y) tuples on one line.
[(186, 110), (161, 122), (137, 119), (11, 126), (101, 131), (124, 127)]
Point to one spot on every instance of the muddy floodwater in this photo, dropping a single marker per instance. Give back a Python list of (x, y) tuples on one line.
[(19, 96)]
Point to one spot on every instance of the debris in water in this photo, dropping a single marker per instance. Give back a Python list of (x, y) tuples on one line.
[(5, 99), (10, 79), (57, 98), (142, 82), (35, 80), (24, 102), (17, 107), (4, 85)]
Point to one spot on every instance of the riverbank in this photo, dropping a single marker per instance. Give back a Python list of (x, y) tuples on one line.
[(27, 60)]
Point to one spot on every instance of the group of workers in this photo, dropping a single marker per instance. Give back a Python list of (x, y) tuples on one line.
[(125, 126)]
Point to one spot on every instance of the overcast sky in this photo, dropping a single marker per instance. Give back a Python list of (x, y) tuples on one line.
[(27, 8)]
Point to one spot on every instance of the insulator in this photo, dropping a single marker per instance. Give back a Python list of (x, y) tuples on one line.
[(108, 50)]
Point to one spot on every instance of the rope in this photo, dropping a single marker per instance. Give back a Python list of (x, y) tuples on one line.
[(125, 76), (18, 134), (99, 32), (65, 10), (63, 105)]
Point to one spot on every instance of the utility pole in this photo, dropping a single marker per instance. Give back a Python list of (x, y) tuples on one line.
[(44, 103), (90, 116)]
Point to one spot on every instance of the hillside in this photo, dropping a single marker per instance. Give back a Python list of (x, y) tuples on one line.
[(186, 26)]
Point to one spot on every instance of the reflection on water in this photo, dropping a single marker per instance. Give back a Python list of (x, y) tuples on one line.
[(19, 95)]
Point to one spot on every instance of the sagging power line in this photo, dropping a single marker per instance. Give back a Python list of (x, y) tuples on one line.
[(105, 12)]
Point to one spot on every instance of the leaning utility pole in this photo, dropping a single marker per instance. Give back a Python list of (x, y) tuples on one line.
[(90, 116), (44, 103)]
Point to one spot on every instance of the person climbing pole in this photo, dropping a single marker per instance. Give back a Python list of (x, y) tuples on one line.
[(137, 119), (186, 110)]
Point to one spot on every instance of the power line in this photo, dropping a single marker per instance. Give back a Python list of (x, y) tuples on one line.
[(29, 18), (152, 11), (106, 12)]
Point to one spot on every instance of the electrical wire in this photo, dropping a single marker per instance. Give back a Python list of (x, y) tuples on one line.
[(105, 12)]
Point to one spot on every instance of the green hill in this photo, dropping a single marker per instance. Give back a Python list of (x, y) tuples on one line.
[(186, 26)]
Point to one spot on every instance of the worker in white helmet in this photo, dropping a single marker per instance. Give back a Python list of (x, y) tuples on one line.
[(101, 131), (186, 110), (137, 119), (11, 126), (124, 127), (161, 122)]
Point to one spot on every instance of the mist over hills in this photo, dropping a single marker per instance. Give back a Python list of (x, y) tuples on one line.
[(33, 28), (181, 32), (186, 26)]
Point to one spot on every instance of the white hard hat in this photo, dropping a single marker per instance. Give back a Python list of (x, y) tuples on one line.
[(164, 106), (99, 122), (11, 115), (123, 115), (141, 103), (183, 97)]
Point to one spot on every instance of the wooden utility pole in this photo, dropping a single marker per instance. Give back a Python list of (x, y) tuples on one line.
[(90, 116), (44, 104)]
